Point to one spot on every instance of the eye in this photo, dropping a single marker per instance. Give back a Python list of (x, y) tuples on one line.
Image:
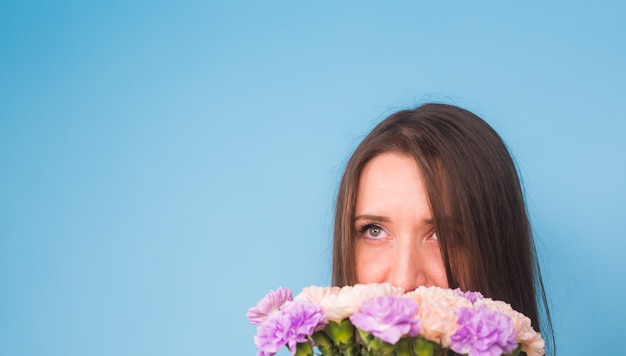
[(372, 231), (433, 236)]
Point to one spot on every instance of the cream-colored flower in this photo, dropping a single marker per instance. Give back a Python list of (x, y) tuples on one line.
[(437, 312), (534, 345), (348, 300), (315, 294)]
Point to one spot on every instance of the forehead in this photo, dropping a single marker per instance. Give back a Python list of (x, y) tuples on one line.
[(390, 167), (390, 180)]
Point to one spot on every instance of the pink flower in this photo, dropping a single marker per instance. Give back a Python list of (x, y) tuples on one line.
[(293, 324), (532, 342), (348, 300), (315, 294), (464, 322), (471, 296), (483, 332), (270, 304), (436, 312), (388, 318)]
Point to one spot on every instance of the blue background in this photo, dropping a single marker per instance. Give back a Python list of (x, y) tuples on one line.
[(164, 164)]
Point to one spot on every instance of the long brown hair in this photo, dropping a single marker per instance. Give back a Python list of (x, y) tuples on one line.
[(476, 201)]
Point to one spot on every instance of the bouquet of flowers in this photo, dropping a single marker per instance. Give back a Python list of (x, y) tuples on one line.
[(379, 319)]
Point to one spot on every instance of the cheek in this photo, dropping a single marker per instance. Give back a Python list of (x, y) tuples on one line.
[(439, 277), (371, 266), (437, 270)]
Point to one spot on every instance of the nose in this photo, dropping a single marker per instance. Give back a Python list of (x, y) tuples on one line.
[(407, 269)]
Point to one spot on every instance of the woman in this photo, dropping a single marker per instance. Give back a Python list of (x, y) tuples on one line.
[(432, 197)]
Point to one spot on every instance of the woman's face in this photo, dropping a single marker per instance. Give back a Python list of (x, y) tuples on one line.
[(396, 241)]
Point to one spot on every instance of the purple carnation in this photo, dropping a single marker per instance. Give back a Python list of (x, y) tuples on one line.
[(483, 332), (294, 323), (471, 296), (269, 304), (388, 318), (272, 334)]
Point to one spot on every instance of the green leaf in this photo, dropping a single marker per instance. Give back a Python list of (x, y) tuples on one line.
[(354, 350), (341, 333), (304, 349), (403, 347), (423, 347), (324, 343), (375, 346)]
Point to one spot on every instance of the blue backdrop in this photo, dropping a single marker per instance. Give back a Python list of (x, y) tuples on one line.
[(164, 164)]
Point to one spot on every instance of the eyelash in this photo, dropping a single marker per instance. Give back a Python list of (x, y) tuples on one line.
[(366, 227), (363, 229), (434, 233)]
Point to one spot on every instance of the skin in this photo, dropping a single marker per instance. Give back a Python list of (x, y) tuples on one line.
[(396, 241)]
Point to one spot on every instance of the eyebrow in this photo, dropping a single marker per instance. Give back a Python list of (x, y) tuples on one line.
[(372, 217), (380, 218)]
